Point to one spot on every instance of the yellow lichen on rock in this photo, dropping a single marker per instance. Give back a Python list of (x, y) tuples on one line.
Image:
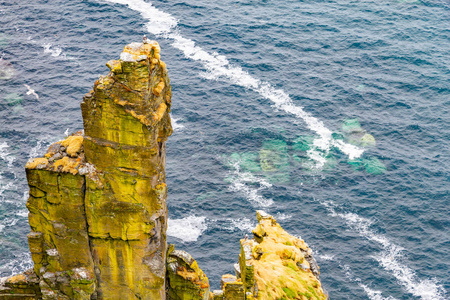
[(278, 264), (185, 280), (143, 119), (127, 215), (158, 88), (17, 278), (68, 165), (73, 144), (139, 49), (115, 66), (160, 111), (35, 163)]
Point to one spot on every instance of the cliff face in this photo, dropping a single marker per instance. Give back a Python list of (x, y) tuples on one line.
[(98, 214), (97, 201), (126, 125)]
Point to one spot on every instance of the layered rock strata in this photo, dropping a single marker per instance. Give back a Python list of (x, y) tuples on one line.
[(98, 213)]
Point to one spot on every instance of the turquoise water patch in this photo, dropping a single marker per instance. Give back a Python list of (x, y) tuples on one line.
[(12, 99), (374, 166), (3, 40), (371, 165), (274, 156), (275, 161), (351, 125), (303, 143)]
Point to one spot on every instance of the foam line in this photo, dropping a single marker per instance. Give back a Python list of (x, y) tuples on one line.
[(5, 155), (371, 294), (53, 52), (176, 125), (239, 182), (390, 258), (218, 67)]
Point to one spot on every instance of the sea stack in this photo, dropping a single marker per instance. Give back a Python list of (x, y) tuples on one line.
[(126, 124), (98, 212)]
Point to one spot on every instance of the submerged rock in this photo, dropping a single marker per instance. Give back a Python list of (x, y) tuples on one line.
[(12, 99)]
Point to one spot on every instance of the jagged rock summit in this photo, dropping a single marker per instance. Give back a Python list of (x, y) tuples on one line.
[(98, 212)]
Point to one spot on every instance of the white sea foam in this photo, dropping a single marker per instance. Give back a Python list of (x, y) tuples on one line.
[(176, 125), (187, 229), (53, 51), (242, 224), (371, 294), (245, 182), (218, 67), (8, 222), (282, 216), (325, 257), (5, 155), (20, 263), (391, 258), (22, 213), (3, 188)]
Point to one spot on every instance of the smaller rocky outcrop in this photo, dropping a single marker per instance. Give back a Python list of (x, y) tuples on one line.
[(22, 286), (272, 265), (185, 280), (276, 265)]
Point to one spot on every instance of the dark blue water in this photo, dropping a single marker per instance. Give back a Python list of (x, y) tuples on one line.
[(254, 83)]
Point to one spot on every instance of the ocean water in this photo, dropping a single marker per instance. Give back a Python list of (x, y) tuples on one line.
[(331, 115)]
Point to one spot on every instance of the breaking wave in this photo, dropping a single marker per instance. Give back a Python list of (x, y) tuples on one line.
[(187, 229), (53, 51), (176, 125), (21, 262), (244, 182)]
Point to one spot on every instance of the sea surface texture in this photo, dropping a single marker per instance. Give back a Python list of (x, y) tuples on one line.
[(333, 116)]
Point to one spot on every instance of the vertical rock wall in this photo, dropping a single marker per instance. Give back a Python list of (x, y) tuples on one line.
[(98, 212), (126, 125)]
